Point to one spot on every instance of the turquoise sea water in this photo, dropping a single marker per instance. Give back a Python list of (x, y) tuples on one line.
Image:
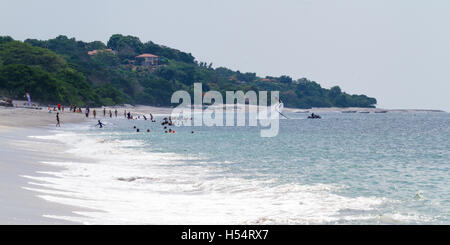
[(391, 168)]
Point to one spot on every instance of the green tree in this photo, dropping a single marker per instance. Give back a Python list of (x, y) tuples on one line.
[(60, 69), (285, 79)]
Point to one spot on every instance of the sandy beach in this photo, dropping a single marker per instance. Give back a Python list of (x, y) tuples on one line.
[(22, 156)]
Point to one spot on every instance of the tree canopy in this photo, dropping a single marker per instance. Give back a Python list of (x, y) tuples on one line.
[(60, 70)]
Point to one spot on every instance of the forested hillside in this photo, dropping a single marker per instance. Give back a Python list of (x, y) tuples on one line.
[(61, 70)]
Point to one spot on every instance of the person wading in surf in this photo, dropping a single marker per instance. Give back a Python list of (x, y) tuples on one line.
[(57, 120), (99, 124)]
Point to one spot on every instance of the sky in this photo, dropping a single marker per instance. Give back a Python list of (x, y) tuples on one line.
[(397, 51)]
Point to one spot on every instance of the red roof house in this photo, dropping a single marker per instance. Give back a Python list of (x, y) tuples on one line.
[(148, 59)]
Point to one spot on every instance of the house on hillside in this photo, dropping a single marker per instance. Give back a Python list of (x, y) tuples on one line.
[(94, 52), (147, 60)]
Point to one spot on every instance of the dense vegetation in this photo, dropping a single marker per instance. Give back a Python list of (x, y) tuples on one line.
[(60, 70)]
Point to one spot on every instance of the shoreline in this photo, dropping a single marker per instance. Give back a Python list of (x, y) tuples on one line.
[(145, 109), (22, 156), (359, 109)]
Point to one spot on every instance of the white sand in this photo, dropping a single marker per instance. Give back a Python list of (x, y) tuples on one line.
[(21, 155)]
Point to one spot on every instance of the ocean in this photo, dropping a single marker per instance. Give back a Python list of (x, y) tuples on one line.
[(391, 168)]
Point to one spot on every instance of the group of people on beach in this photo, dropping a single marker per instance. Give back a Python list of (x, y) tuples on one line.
[(60, 108), (94, 113), (166, 122), (76, 109)]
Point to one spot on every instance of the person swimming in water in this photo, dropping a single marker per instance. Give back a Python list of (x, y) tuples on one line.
[(314, 116), (99, 124)]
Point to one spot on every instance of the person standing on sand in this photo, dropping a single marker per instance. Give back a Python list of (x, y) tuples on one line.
[(94, 112), (57, 120), (115, 112), (110, 113), (125, 113), (104, 112)]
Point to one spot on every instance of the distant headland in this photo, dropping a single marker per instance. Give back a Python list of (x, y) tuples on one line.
[(127, 71)]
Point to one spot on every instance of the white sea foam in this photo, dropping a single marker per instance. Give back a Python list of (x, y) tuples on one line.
[(127, 185)]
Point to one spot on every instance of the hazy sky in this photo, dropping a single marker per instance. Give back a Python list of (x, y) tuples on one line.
[(397, 51)]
